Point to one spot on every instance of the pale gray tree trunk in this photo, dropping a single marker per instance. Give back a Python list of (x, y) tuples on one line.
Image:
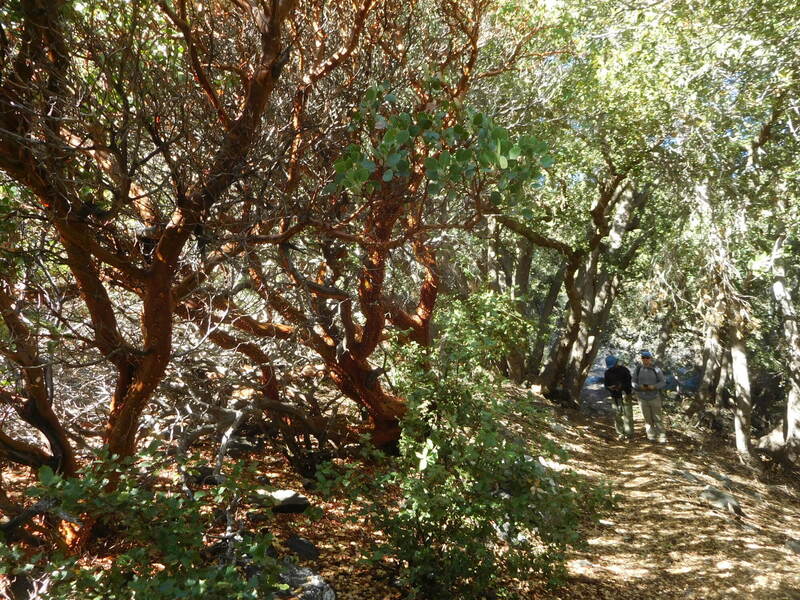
[(786, 436), (791, 335), (741, 380)]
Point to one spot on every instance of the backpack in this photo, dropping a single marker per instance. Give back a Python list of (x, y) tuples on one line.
[(653, 369)]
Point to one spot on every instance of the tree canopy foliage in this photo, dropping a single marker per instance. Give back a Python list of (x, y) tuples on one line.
[(343, 223)]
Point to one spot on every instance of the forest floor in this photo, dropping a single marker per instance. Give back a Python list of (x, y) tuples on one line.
[(663, 541)]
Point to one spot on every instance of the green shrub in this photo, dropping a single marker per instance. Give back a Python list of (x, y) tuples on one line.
[(156, 534), (478, 507), (481, 330)]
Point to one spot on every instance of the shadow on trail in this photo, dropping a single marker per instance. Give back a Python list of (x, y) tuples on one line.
[(664, 540)]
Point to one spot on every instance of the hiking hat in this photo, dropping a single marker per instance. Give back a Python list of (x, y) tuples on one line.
[(646, 354), (611, 361)]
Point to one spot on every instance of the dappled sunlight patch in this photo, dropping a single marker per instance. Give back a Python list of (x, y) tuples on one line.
[(552, 464), (628, 571), (665, 541), (601, 542)]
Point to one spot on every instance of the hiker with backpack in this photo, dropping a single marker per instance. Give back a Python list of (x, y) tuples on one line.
[(648, 380), (617, 380)]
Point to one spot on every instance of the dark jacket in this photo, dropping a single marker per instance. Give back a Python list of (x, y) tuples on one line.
[(617, 379)]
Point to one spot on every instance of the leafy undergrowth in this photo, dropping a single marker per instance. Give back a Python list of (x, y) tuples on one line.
[(663, 540)]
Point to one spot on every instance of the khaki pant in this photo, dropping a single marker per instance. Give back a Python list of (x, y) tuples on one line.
[(653, 419), (623, 416)]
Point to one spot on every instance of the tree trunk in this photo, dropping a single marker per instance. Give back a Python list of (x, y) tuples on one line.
[(357, 380), (741, 381), (665, 334), (721, 392), (591, 286), (544, 327), (586, 347), (574, 376), (558, 359), (791, 434), (494, 270), (786, 436), (36, 406), (600, 292), (599, 322), (712, 362), (520, 291), (570, 377), (516, 365)]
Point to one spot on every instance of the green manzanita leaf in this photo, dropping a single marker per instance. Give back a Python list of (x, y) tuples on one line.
[(46, 474)]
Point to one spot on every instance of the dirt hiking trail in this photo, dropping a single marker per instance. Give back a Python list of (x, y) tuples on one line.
[(673, 536)]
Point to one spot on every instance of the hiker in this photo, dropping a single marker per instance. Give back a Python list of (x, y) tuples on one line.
[(617, 380), (648, 381)]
